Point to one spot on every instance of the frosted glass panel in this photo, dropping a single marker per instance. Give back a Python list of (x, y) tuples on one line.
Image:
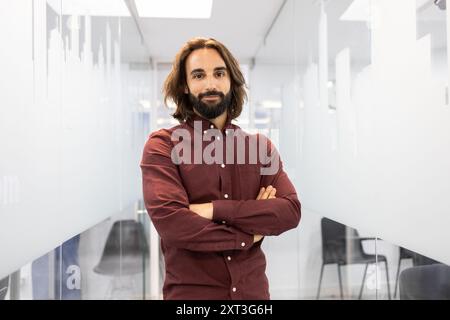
[(273, 105), (73, 119), (384, 163)]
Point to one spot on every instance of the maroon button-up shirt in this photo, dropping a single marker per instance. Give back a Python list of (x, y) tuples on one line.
[(214, 259)]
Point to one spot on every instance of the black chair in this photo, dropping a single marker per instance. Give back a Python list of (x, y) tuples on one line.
[(125, 250), (402, 255), (417, 260), (124, 255), (334, 251), (426, 282), (4, 284)]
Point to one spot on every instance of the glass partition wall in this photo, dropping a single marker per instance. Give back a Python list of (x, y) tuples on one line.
[(76, 107), (355, 94)]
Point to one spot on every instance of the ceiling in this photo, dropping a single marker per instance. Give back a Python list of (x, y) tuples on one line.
[(243, 24), (240, 25)]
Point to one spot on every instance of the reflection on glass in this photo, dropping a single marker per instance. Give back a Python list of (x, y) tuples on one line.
[(124, 255), (343, 246)]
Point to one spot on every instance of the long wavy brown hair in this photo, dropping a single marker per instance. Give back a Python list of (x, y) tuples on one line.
[(175, 84)]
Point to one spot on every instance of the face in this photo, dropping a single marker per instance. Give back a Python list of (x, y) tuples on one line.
[(208, 83)]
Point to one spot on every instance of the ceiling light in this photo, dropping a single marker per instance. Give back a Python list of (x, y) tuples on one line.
[(193, 9), (360, 10), (102, 8), (271, 104), (145, 104)]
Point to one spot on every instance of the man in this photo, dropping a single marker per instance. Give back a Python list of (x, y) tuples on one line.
[(212, 213)]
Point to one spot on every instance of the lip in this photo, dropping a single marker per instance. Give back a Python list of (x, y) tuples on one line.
[(212, 98)]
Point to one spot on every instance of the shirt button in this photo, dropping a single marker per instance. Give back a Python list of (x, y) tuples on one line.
[(229, 258), (234, 289), (222, 165), (211, 126), (243, 244), (226, 195), (224, 222), (218, 138)]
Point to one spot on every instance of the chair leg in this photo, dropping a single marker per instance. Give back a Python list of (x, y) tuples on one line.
[(396, 277), (387, 279), (320, 281), (340, 281), (363, 282), (109, 290)]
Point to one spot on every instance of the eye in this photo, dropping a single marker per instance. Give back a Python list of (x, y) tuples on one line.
[(220, 74), (197, 76)]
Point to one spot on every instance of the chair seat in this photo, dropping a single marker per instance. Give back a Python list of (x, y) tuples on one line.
[(369, 258), (428, 282), (117, 266)]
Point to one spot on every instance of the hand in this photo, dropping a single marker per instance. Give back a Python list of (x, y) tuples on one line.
[(204, 210), (257, 237), (268, 193)]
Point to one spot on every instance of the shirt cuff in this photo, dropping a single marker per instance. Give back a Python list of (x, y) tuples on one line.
[(223, 211)]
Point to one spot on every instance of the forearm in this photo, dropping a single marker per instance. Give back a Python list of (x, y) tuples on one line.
[(271, 217), (205, 210), (182, 228)]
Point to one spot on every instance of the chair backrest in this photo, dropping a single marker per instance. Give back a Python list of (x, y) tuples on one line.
[(418, 259), (335, 243), (125, 249), (406, 254), (427, 282), (4, 284)]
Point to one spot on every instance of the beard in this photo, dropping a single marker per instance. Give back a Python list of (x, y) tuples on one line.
[(210, 110)]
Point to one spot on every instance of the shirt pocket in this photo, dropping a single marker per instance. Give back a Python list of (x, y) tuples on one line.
[(200, 182), (249, 180)]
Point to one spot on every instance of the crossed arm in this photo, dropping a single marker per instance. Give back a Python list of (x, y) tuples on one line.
[(205, 210), (194, 226)]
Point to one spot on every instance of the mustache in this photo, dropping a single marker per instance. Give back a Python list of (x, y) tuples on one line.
[(211, 93)]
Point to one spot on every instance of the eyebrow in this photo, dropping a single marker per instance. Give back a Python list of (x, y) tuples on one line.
[(215, 69)]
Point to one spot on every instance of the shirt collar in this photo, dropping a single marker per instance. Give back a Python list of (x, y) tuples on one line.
[(207, 124)]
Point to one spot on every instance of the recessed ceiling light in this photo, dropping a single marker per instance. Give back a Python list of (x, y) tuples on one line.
[(359, 10), (103, 8), (181, 9), (271, 104)]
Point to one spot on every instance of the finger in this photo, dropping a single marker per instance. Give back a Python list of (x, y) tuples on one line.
[(272, 193), (261, 191), (266, 193), (193, 208)]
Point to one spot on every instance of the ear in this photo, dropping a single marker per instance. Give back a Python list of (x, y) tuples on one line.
[(186, 90)]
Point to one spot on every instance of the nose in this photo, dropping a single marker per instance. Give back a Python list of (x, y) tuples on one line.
[(211, 84)]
